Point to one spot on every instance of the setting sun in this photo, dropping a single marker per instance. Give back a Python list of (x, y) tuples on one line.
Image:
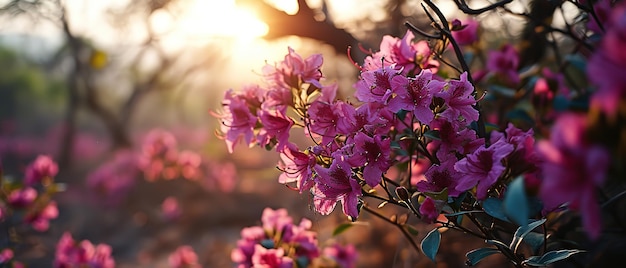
[(221, 18)]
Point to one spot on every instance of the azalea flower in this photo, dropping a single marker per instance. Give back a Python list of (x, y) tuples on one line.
[(337, 183), (297, 167), (482, 168), (414, 95), (572, 170), (373, 154), (457, 95), (183, 257), (504, 62), (42, 167), (466, 33)]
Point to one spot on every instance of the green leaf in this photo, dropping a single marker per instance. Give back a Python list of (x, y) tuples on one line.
[(534, 240), (432, 134), (493, 207), (442, 195), (522, 231), (551, 257), (342, 228), (463, 212), (476, 255), (401, 114), (516, 203), (430, 244)]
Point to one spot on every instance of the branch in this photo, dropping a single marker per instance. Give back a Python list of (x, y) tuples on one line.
[(462, 5)]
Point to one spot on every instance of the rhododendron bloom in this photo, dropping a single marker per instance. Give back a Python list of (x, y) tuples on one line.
[(468, 32), (375, 85), (524, 158), (504, 62), (440, 177), (337, 183), (21, 198), (297, 167), (40, 220), (403, 54), (270, 258), (344, 256), (293, 69), (482, 168), (276, 126), (413, 95), (573, 169), (373, 154), (459, 100), (429, 211), (42, 167), (70, 253), (183, 257), (237, 120)]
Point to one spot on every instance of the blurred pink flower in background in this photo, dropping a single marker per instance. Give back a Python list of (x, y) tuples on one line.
[(40, 220), (465, 32), (21, 198), (504, 62), (573, 169), (70, 253), (344, 256), (42, 167), (115, 178), (184, 257), (170, 209)]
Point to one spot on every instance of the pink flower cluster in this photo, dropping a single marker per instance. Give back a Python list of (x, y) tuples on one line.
[(158, 158), (279, 242), (70, 254), (357, 144), (32, 195)]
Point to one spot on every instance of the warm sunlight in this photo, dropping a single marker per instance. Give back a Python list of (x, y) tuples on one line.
[(220, 18)]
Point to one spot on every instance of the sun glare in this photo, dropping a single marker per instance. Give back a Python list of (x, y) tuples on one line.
[(221, 18)]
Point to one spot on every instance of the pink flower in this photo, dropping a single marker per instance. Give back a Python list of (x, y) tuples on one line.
[(375, 85), (466, 33), (297, 167), (276, 126), (294, 70), (344, 256), (459, 100), (573, 169), (242, 254), (6, 255), (337, 183), (504, 62), (115, 178), (40, 220), (42, 167), (523, 158), (183, 257), (373, 154), (607, 66), (70, 253), (326, 115), (270, 258), (440, 177), (413, 95), (21, 198), (189, 163), (429, 211), (237, 120), (482, 168), (403, 54), (170, 209)]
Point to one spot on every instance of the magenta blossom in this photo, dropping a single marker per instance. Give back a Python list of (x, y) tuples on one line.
[(40, 220), (373, 153), (429, 210), (297, 167), (337, 183), (276, 126), (21, 198), (344, 256), (504, 62), (413, 95), (270, 258), (482, 168), (466, 33), (459, 100), (403, 54), (375, 85), (115, 178), (237, 121), (70, 253), (42, 167), (293, 70), (573, 169), (440, 177), (183, 257)]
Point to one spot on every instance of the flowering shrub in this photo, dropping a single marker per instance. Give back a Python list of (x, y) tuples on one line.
[(279, 242), (70, 253), (500, 172)]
